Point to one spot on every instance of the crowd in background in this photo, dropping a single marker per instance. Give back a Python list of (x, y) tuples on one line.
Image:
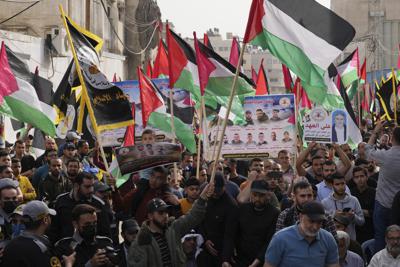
[(334, 206)]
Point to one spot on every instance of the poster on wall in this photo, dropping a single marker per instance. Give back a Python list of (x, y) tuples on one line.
[(183, 104), (269, 127), (323, 126)]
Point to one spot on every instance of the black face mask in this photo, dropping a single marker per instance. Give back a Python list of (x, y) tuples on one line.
[(9, 206), (88, 232)]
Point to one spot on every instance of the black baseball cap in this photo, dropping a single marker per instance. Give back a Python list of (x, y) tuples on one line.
[(156, 204), (314, 210), (130, 225), (344, 220), (259, 186)]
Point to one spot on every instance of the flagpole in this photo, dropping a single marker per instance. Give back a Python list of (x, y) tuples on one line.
[(84, 89), (395, 97), (199, 139), (215, 137), (228, 111), (359, 106), (171, 107)]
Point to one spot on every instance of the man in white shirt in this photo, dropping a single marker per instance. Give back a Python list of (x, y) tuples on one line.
[(389, 256)]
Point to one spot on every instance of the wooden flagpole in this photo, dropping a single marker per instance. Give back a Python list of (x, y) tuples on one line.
[(201, 133), (394, 97), (228, 111), (85, 94)]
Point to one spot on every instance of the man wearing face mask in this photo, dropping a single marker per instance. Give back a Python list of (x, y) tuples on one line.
[(255, 226), (8, 203), (17, 223), (81, 193), (32, 248), (91, 249)]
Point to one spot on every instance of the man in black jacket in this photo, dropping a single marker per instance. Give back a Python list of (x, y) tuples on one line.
[(255, 226), (218, 228), (81, 193)]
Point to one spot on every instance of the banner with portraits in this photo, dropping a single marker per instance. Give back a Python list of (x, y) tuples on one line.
[(182, 102), (269, 127), (323, 126), (143, 156)]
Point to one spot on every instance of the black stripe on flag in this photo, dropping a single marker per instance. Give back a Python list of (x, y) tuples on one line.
[(211, 54), (187, 49), (319, 20), (348, 58)]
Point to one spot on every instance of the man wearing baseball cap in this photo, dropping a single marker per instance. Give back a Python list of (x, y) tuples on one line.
[(32, 248), (158, 242), (305, 243)]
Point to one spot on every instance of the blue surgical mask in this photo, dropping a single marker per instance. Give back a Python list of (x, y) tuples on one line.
[(17, 229)]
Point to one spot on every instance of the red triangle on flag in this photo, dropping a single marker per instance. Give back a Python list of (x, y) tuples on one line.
[(8, 83), (363, 71), (262, 82), (161, 61), (149, 70), (114, 79), (204, 66), (177, 56), (149, 96), (253, 74), (129, 139), (235, 51)]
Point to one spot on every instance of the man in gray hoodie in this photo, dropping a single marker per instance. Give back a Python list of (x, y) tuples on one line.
[(341, 203)]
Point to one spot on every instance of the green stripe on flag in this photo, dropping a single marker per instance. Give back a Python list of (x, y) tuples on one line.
[(183, 132), (22, 111), (311, 75)]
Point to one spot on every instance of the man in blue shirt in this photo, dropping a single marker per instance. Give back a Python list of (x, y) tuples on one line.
[(304, 244)]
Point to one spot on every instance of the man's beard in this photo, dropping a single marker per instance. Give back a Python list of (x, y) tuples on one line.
[(394, 249), (160, 225)]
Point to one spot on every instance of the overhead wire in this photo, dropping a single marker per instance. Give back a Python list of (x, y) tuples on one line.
[(119, 38), (19, 13)]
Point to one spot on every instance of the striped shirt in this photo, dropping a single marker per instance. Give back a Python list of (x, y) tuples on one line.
[(164, 250)]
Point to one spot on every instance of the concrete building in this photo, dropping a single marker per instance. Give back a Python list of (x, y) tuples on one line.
[(38, 34), (377, 24)]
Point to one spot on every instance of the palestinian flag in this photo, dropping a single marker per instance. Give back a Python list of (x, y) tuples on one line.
[(254, 75), (207, 42), (363, 72), (183, 71), (204, 66), (221, 78), (287, 78), (349, 69), (262, 87), (235, 52), (18, 95), (149, 69), (303, 35), (161, 68), (154, 113)]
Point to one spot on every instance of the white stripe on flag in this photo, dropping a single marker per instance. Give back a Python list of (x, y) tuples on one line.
[(278, 23)]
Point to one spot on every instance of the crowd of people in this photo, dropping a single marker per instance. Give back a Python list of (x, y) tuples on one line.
[(334, 206)]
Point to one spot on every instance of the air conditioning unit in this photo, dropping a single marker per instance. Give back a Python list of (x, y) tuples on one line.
[(59, 41)]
